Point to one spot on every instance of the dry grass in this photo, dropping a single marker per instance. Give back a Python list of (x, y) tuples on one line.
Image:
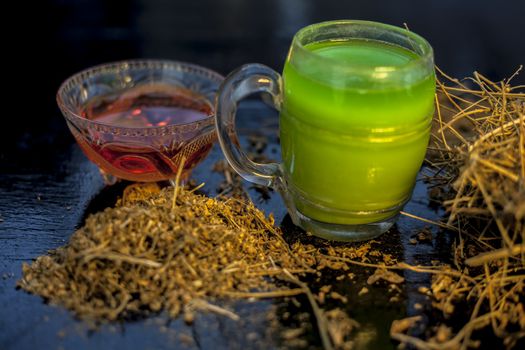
[(478, 151)]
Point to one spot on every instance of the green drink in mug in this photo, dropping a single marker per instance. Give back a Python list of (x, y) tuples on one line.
[(356, 100)]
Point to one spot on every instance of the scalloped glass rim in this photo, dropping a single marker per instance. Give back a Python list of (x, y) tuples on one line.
[(185, 67)]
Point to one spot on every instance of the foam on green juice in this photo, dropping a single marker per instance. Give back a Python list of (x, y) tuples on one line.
[(349, 143)]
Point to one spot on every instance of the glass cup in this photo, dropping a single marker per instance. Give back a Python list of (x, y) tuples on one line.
[(140, 120), (356, 101)]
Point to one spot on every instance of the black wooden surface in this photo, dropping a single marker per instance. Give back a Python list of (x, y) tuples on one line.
[(47, 186)]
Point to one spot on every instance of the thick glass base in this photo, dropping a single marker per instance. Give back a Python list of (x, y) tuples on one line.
[(375, 222), (346, 233)]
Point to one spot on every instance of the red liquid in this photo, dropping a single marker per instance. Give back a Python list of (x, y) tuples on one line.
[(132, 147)]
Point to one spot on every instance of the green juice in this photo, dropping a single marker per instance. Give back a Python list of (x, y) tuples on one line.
[(352, 144)]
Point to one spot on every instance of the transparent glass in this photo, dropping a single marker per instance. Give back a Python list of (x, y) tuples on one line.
[(356, 100), (124, 148)]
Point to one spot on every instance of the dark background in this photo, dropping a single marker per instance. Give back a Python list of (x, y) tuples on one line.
[(47, 186), (51, 39)]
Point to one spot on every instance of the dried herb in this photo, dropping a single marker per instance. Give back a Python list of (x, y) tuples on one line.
[(478, 152), (146, 255), (174, 250)]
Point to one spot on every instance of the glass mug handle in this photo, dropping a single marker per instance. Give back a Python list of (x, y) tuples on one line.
[(244, 81)]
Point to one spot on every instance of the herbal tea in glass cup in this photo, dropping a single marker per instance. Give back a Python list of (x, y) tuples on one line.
[(139, 120), (356, 100)]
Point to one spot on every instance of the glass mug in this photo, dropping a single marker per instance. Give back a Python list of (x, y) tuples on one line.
[(356, 101)]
